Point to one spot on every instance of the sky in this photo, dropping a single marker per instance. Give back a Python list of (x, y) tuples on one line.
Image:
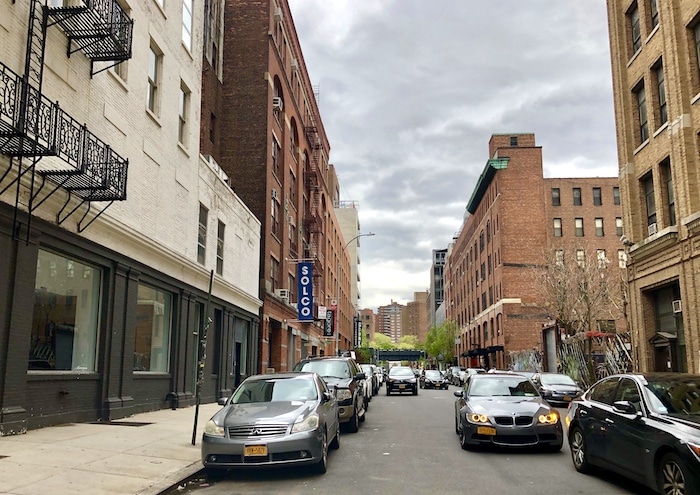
[(410, 92)]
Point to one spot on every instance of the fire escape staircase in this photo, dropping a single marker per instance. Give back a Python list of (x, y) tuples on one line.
[(33, 127), (313, 221)]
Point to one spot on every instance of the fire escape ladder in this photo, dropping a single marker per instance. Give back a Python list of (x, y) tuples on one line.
[(101, 29)]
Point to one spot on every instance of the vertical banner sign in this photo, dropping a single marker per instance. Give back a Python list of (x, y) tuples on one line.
[(358, 332), (305, 289), (329, 323)]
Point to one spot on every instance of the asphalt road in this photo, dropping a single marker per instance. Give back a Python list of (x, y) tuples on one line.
[(408, 445)]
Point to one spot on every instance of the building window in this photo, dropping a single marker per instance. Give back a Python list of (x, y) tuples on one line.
[(670, 197), (648, 188), (556, 197), (597, 197), (488, 231), (599, 227), (187, 23), (202, 235), (557, 227), (65, 319), (274, 274), (155, 61), (513, 141), (616, 195), (212, 128), (661, 90), (696, 36), (602, 258), (276, 157), (121, 70), (559, 258), (578, 223), (633, 19), (275, 212), (654, 12), (220, 248), (621, 258), (482, 244), (184, 114), (580, 257), (153, 324), (618, 227), (577, 196), (641, 99)]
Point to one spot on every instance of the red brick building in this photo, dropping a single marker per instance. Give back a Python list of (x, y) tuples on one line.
[(493, 263), (275, 150)]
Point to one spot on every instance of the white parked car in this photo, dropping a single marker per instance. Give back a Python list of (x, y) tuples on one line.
[(379, 373)]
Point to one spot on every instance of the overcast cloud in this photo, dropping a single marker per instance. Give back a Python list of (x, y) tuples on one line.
[(410, 91)]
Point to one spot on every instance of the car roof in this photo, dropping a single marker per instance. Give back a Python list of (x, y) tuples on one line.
[(281, 376)]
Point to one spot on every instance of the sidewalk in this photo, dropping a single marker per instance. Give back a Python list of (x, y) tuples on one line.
[(143, 454)]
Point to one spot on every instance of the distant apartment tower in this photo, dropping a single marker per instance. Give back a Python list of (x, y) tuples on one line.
[(276, 153), (369, 328), (655, 51), (415, 316), (437, 284), (349, 222), (389, 320), (493, 263)]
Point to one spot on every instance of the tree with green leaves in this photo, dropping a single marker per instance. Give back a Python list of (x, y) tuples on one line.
[(440, 341), (382, 342), (409, 342)]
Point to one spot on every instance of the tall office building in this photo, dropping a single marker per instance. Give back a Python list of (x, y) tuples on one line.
[(437, 284), (655, 51)]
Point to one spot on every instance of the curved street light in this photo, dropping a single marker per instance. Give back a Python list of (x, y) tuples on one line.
[(337, 291)]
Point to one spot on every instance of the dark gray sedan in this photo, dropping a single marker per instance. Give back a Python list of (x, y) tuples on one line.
[(505, 409), (273, 420)]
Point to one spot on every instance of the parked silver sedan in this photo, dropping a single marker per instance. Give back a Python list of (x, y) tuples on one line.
[(273, 420)]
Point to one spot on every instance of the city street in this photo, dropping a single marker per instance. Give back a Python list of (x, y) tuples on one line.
[(408, 445)]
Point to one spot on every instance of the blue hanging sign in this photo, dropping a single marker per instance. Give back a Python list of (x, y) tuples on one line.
[(305, 289)]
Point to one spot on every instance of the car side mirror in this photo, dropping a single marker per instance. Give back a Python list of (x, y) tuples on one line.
[(360, 376), (222, 401), (326, 396), (458, 393), (625, 407)]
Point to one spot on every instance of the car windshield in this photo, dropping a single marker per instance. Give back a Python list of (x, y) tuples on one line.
[(400, 371), (675, 396), (516, 386), (326, 368), (556, 379), (366, 368), (275, 390), (432, 374)]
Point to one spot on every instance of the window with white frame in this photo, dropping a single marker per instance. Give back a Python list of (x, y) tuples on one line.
[(155, 61), (183, 110), (220, 247), (618, 226), (580, 257), (559, 258), (65, 320), (202, 235), (557, 227), (602, 258), (599, 232), (187, 23), (621, 258), (578, 227)]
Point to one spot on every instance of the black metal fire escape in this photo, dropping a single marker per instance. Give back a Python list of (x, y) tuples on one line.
[(33, 127), (313, 220)]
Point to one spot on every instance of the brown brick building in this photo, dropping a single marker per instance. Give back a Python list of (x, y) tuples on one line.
[(275, 150), (655, 48), (513, 218), (415, 319)]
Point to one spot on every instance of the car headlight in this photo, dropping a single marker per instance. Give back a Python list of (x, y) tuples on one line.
[(305, 424), (343, 394), (548, 419), (695, 448), (213, 430), (477, 418)]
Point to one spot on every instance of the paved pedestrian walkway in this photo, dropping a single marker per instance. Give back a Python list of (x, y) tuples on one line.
[(143, 454)]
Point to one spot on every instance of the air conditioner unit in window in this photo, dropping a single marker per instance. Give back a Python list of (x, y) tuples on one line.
[(652, 228), (677, 306), (282, 293), (278, 14), (277, 103), (295, 65)]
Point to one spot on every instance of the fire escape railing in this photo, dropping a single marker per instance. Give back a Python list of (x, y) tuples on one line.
[(33, 127)]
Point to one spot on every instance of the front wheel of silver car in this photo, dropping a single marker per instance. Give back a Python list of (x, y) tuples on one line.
[(579, 451), (322, 465), (672, 477)]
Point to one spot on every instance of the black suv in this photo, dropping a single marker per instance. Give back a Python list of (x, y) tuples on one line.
[(345, 376)]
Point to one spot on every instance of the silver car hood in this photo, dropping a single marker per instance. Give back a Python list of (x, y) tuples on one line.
[(506, 406), (263, 412)]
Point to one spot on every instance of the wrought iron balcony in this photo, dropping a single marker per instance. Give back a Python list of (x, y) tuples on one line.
[(100, 28), (33, 126)]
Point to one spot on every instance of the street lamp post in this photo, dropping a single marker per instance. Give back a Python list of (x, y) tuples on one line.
[(337, 316)]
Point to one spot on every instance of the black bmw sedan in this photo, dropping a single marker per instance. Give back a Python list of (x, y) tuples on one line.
[(643, 426)]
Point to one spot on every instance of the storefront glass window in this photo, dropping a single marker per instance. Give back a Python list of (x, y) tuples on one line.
[(66, 314), (153, 324)]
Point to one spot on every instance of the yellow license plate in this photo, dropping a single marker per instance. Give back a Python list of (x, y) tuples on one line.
[(567, 398), (485, 430), (255, 450), (402, 386)]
